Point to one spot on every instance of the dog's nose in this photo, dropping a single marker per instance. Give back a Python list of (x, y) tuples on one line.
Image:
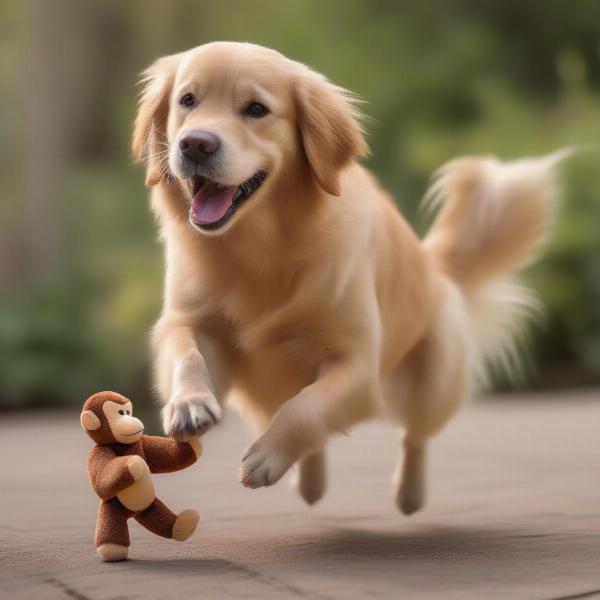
[(197, 145)]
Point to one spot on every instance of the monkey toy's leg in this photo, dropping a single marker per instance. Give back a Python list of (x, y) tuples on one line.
[(112, 533), (158, 519)]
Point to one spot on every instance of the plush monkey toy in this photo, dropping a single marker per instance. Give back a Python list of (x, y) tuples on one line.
[(119, 469)]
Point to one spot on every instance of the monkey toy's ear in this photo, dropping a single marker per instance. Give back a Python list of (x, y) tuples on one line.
[(89, 421)]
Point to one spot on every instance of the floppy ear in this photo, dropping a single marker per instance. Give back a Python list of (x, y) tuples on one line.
[(149, 132), (89, 421), (329, 127)]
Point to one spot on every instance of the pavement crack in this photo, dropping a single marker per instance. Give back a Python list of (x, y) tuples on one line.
[(69, 591), (275, 582)]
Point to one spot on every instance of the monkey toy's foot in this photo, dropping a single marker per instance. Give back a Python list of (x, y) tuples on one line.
[(185, 524), (112, 552)]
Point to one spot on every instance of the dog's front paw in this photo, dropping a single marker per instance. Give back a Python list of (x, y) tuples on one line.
[(263, 465), (191, 416)]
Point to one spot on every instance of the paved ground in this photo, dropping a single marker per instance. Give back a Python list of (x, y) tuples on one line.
[(514, 512)]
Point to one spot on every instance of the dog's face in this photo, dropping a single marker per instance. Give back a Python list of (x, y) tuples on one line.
[(232, 122)]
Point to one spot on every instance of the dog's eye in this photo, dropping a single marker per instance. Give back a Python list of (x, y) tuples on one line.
[(256, 110), (188, 100)]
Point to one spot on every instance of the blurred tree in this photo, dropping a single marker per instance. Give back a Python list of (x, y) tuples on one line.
[(43, 141)]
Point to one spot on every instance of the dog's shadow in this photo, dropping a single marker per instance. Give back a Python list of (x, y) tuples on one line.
[(451, 545), (439, 543)]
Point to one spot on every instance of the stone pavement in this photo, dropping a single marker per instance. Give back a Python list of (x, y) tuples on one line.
[(513, 513)]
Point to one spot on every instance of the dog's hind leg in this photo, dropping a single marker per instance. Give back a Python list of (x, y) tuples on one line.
[(426, 391), (410, 480), (310, 477)]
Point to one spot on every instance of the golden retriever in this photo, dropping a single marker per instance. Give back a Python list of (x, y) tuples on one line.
[(295, 288)]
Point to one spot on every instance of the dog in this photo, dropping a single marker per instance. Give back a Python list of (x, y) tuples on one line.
[(294, 287)]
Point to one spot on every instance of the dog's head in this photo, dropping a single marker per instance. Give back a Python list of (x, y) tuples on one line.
[(229, 122)]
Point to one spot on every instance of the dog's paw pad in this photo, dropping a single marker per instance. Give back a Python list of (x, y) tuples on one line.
[(190, 418)]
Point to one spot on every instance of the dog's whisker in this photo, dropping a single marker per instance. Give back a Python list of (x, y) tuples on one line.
[(160, 154)]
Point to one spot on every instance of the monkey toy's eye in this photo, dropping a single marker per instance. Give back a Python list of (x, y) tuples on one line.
[(127, 412), (121, 412)]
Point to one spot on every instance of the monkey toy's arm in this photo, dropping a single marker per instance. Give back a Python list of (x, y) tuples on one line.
[(165, 455), (110, 474)]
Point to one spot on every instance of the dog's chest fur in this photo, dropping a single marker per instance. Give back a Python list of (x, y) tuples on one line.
[(276, 329)]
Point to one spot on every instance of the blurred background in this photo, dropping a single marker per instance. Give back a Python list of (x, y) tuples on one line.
[(80, 267)]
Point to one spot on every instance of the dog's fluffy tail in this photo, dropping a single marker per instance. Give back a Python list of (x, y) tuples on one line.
[(493, 217)]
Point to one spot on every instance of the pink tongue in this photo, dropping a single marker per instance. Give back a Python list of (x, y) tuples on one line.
[(210, 204)]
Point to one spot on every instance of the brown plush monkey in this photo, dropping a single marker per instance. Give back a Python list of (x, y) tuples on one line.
[(119, 469)]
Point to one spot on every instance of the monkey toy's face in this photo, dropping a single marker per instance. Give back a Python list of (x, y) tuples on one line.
[(124, 426), (107, 419)]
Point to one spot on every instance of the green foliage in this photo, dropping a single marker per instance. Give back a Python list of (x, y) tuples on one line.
[(50, 350), (439, 79)]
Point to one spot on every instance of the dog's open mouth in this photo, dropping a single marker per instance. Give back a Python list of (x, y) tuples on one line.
[(214, 204)]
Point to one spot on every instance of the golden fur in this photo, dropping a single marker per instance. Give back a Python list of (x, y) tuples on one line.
[(316, 306)]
